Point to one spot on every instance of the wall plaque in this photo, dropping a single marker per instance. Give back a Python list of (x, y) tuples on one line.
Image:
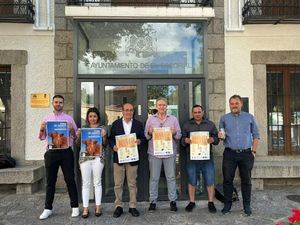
[(39, 100)]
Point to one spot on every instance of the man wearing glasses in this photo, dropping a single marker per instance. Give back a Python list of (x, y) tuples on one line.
[(126, 125)]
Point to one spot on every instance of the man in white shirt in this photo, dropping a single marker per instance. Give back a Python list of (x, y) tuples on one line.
[(126, 125)]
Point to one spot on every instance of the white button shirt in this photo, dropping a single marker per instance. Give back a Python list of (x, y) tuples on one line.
[(127, 126)]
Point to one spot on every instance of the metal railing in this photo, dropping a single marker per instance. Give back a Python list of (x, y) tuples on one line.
[(271, 11), (197, 3), (21, 11)]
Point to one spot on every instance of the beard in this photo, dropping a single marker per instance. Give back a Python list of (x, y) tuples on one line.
[(235, 110), (58, 108)]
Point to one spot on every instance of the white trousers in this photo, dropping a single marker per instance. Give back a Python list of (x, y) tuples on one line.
[(88, 168)]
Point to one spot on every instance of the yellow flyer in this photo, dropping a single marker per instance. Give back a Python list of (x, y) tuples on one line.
[(127, 148), (162, 141), (199, 148)]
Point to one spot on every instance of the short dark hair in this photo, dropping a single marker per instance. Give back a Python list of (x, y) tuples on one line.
[(94, 110), (196, 106), (58, 96), (236, 97)]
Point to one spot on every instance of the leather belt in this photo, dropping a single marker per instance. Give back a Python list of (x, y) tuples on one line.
[(239, 150)]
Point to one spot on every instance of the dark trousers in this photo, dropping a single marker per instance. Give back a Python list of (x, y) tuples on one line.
[(65, 159), (244, 161)]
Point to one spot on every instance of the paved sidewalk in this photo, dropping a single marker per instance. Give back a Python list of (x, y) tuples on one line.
[(269, 206)]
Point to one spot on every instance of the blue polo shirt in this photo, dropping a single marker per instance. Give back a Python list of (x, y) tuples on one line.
[(240, 130)]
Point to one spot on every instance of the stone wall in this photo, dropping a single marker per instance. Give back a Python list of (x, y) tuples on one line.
[(215, 82), (63, 55), (63, 61)]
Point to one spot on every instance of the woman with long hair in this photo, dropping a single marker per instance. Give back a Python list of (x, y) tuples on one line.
[(92, 164)]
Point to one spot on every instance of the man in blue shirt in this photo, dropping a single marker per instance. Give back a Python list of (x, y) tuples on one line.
[(240, 141)]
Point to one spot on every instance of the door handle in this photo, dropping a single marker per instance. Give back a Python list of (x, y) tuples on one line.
[(139, 110)]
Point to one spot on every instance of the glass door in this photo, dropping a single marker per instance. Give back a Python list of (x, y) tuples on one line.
[(181, 94), (109, 95), (112, 95)]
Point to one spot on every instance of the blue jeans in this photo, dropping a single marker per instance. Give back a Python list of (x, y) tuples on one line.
[(244, 161), (206, 167)]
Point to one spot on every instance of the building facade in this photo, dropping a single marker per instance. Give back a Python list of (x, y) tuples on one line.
[(136, 52), (104, 53), (262, 65)]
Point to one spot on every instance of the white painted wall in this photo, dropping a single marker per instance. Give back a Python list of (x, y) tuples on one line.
[(39, 75), (240, 41)]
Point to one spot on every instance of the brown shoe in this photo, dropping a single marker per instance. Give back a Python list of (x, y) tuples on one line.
[(98, 211), (85, 213)]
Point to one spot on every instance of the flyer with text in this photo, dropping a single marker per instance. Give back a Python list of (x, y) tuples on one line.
[(58, 134), (199, 148), (162, 141), (127, 148), (91, 142)]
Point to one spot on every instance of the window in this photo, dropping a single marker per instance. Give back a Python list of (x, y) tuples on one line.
[(140, 48), (280, 7), (283, 99), (5, 108)]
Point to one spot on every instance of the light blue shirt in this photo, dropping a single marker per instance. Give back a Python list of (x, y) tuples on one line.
[(240, 130)]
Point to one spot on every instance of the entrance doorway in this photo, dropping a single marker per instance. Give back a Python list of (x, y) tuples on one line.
[(109, 95)]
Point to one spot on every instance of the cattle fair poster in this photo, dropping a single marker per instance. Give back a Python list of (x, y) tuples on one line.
[(127, 148), (91, 142), (162, 141), (58, 135), (199, 148)]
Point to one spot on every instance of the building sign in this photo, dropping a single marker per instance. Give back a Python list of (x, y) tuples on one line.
[(140, 48), (39, 100)]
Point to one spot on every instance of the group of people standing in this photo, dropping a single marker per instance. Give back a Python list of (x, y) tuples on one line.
[(240, 139)]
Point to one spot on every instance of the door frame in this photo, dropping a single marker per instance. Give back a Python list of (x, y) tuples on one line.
[(141, 84)]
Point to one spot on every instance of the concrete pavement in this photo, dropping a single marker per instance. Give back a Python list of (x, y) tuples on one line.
[(269, 206)]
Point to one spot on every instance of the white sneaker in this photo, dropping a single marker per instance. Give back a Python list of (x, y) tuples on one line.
[(46, 213), (75, 212)]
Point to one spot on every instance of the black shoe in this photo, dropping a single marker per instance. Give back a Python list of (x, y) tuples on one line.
[(190, 207), (152, 207), (211, 207), (226, 209), (173, 206), (118, 212), (134, 212), (247, 210)]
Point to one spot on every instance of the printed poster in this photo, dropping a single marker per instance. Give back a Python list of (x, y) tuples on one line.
[(162, 141), (91, 142), (127, 148), (199, 147), (58, 134)]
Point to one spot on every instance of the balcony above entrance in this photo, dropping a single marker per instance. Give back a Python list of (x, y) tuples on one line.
[(271, 11), (21, 11), (140, 9)]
